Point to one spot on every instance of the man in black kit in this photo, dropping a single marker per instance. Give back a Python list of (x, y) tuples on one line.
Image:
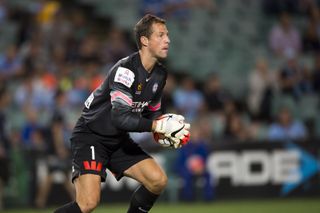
[(129, 100)]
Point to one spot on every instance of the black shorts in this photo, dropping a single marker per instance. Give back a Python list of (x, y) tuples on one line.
[(93, 154)]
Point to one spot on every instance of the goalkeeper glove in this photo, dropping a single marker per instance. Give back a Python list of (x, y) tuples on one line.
[(182, 137), (168, 126), (177, 117)]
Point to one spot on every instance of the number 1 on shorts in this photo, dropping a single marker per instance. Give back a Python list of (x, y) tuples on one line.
[(92, 153)]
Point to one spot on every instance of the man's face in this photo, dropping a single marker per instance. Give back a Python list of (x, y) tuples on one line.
[(158, 42), (285, 117)]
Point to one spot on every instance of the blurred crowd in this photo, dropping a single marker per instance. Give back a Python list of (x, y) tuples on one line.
[(61, 52)]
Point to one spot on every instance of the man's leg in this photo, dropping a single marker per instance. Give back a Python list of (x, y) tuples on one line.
[(153, 180), (87, 195)]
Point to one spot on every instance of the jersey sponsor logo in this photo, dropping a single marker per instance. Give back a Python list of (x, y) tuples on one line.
[(139, 106), (92, 165), (124, 76)]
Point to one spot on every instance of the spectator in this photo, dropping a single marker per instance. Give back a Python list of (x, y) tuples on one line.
[(46, 13), (88, 49), (4, 143), (80, 29), (188, 100), (33, 55), (20, 170), (314, 18), (275, 7), (286, 127), (115, 47), (284, 38), (33, 92), (191, 166), (60, 30), (230, 107), (57, 160), (3, 11), (261, 86), (156, 7), (316, 74), (61, 109), (57, 152), (79, 92), (178, 9), (214, 94), (236, 129), (294, 79), (311, 39), (31, 130), (167, 104), (10, 63)]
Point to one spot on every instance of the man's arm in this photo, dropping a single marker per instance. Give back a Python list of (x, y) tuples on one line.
[(123, 118), (153, 110)]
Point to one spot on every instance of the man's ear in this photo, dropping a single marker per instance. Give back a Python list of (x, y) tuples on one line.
[(144, 41)]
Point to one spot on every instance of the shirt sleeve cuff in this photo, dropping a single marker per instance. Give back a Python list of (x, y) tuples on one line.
[(145, 125)]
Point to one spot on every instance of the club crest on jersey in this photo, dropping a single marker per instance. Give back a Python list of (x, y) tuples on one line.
[(124, 76), (155, 87)]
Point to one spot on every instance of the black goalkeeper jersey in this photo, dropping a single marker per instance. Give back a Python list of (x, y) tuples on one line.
[(127, 100)]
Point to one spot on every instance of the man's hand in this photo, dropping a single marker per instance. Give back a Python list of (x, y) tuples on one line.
[(174, 128), (168, 126)]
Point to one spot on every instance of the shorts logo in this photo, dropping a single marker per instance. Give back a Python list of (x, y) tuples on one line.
[(92, 165), (143, 210)]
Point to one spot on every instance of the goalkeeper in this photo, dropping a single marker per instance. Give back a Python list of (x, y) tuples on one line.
[(129, 100)]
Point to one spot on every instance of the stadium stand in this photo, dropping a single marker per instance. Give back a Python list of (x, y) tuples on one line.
[(60, 56)]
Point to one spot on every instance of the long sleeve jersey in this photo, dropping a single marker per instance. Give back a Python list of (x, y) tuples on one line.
[(127, 100)]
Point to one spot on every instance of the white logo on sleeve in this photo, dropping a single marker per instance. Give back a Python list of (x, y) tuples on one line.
[(124, 76), (89, 101)]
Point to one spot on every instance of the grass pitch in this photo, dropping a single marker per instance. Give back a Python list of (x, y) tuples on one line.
[(247, 206)]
